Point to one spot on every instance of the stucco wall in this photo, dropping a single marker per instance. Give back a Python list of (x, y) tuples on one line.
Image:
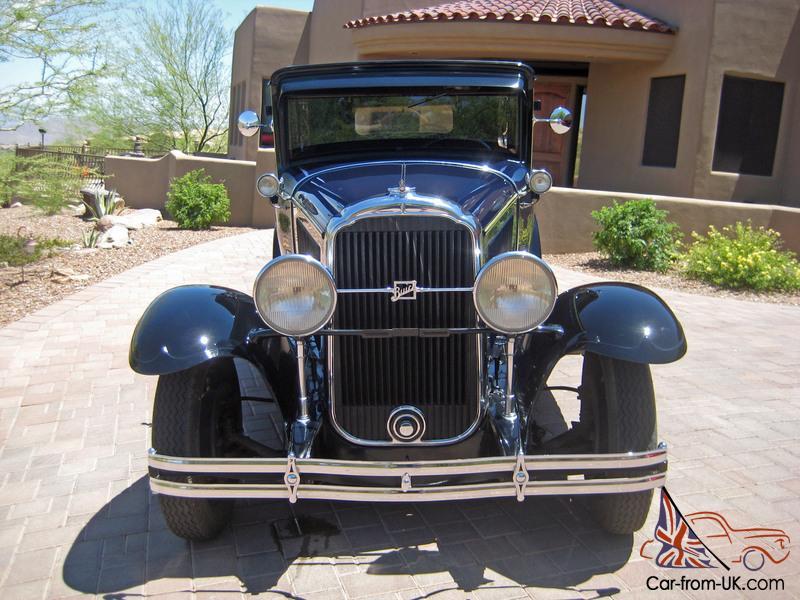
[(564, 214), (616, 109), (330, 41), (269, 38), (144, 182), (737, 37), (758, 40), (566, 223)]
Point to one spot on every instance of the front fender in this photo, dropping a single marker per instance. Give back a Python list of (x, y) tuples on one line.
[(191, 324), (623, 321)]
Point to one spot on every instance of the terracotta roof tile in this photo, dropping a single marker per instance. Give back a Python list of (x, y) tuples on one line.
[(598, 13)]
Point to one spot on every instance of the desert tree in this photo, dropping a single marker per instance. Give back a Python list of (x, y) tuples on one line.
[(60, 40), (171, 78)]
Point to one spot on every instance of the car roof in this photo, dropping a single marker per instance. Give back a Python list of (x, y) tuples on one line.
[(403, 73)]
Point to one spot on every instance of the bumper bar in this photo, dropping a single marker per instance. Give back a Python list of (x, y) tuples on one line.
[(526, 476)]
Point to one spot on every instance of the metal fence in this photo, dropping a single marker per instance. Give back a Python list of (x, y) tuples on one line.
[(88, 159)]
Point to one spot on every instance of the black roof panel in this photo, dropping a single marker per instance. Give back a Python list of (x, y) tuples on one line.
[(386, 74)]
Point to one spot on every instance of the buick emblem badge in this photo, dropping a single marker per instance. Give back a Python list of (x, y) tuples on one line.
[(404, 290)]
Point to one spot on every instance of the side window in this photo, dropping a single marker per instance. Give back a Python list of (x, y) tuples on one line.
[(266, 137), (706, 526), (747, 128), (663, 121)]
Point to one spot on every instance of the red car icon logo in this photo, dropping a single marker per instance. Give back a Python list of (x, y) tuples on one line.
[(752, 547)]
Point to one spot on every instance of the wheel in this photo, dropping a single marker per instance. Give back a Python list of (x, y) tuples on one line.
[(753, 560), (189, 411), (618, 397)]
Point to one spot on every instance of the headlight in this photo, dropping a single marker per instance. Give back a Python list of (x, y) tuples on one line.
[(540, 181), (268, 185), (295, 295), (515, 292)]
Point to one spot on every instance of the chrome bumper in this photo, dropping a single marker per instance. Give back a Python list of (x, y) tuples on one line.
[(526, 476)]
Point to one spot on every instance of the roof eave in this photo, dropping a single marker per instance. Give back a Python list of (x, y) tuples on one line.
[(504, 39)]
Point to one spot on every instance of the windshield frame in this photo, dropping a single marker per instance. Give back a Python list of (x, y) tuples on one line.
[(433, 145), (399, 78)]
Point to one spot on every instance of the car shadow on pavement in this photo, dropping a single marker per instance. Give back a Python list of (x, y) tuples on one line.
[(125, 549)]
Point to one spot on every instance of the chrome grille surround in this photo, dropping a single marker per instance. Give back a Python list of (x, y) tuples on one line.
[(393, 205)]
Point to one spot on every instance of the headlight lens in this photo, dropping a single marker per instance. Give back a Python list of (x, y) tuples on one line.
[(540, 181), (515, 292), (295, 295), (268, 185)]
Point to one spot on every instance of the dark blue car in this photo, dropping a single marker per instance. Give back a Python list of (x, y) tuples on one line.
[(407, 325)]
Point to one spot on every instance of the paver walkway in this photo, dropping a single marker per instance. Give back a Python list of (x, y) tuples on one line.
[(76, 516)]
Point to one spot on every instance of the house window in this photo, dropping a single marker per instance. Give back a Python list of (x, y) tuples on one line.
[(747, 129), (663, 121), (266, 137)]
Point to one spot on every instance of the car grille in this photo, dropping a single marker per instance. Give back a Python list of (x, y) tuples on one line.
[(372, 376)]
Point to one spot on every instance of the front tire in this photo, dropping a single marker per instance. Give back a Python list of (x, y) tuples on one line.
[(618, 396), (188, 412)]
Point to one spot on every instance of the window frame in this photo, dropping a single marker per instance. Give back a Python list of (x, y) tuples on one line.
[(266, 138), (652, 143), (748, 147)]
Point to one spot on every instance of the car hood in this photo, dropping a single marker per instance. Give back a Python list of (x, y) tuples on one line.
[(481, 190)]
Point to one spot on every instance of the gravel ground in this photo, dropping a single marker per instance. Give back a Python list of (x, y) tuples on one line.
[(594, 264), (54, 277), (57, 276)]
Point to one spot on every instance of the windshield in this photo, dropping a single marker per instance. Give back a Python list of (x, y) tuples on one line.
[(320, 125)]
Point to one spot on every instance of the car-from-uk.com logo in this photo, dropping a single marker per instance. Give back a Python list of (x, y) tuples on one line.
[(689, 542)]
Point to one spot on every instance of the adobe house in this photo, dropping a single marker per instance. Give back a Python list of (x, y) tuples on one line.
[(687, 98)]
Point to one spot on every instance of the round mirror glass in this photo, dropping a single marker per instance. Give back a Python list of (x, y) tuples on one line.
[(248, 123), (560, 120)]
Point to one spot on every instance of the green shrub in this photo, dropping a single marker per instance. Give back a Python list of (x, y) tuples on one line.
[(13, 252), (637, 234), (742, 257), (46, 182), (196, 203), (6, 176)]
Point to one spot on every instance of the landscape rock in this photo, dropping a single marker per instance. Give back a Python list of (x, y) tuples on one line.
[(105, 223), (77, 210), (66, 275), (138, 219), (115, 237)]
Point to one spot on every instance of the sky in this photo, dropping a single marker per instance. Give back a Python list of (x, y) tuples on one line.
[(235, 11)]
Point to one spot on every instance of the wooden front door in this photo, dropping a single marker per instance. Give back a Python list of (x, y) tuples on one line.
[(552, 151)]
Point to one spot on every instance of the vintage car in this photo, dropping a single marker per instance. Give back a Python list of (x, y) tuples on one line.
[(407, 323)]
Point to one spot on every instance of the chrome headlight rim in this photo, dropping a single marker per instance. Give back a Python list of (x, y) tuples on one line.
[(303, 258), (533, 174), (505, 256), (273, 178)]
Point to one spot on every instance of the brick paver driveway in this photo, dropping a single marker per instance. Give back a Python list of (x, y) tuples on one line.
[(76, 516)]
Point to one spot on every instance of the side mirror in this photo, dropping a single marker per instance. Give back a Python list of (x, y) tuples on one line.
[(560, 120), (248, 123)]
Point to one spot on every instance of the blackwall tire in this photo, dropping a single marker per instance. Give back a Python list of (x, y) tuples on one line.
[(622, 401), (184, 425)]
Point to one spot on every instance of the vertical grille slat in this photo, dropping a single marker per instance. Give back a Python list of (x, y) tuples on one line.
[(374, 375)]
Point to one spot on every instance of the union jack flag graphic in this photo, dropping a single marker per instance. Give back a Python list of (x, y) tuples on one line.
[(680, 547)]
